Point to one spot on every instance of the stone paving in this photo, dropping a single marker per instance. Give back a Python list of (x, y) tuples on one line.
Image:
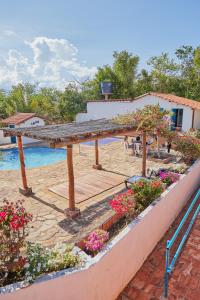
[(184, 284), (50, 224)]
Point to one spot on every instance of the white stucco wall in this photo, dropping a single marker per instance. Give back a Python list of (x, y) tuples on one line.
[(33, 122), (197, 119), (4, 140), (106, 109)]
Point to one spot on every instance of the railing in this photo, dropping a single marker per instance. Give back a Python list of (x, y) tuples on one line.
[(170, 265)]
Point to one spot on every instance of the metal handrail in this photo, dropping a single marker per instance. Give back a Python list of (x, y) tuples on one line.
[(170, 265)]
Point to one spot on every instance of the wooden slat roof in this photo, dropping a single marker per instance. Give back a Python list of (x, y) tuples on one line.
[(70, 132)]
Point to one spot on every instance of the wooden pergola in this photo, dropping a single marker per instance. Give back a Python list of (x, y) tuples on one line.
[(65, 135)]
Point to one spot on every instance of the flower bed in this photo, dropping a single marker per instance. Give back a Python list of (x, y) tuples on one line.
[(127, 206), (20, 260), (169, 177)]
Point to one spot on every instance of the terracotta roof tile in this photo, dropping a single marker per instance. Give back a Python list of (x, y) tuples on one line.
[(18, 118), (179, 100)]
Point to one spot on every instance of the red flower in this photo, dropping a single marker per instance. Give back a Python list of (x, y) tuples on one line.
[(123, 203), (3, 216)]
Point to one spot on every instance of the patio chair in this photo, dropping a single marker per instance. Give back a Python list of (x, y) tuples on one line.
[(155, 172), (133, 179), (137, 148)]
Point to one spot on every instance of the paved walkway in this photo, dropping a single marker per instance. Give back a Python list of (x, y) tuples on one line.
[(184, 283)]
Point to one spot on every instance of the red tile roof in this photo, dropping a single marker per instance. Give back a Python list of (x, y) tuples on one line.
[(169, 97), (179, 100), (18, 118)]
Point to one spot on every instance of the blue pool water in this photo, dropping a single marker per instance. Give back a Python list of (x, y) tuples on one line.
[(34, 157), (38, 156), (103, 141)]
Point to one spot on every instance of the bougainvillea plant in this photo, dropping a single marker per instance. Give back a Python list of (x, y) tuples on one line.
[(150, 119), (168, 177), (146, 191), (13, 230), (123, 204), (188, 147), (96, 240)]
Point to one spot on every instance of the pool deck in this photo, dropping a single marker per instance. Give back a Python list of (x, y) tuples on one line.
[(89, 185), (50, 224)]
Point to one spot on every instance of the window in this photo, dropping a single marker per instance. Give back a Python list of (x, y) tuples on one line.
[(177, 118)]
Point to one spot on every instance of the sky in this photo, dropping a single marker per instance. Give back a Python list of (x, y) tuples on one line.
[(54, 42)]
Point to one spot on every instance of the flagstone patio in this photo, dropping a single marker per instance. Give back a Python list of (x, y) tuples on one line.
[(50, 224)]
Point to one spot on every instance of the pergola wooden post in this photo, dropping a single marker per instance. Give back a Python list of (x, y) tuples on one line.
[(97, 165), (144, 153), (26, 190), (72, 211)]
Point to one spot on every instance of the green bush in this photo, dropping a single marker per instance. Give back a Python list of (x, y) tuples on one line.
[(42, 260), (145, 192), (189, 149)]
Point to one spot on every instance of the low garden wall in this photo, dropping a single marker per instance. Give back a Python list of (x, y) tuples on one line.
[(105, 275)]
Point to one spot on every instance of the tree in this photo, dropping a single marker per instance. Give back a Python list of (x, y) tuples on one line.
[(19, 97), (71, 103), (45, 103), (122, 74), (125, 68), (144, 83), (150, 119), (164, 73), (4, 112)]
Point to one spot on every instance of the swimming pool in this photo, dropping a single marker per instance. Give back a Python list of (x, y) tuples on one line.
[(102, 141), (38, 156), (34, 157)]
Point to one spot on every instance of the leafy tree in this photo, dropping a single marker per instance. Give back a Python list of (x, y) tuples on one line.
[(71, 103), (45, 103), (163, 73), (125, 68), (3, 105), (122, 74), (144, 83)]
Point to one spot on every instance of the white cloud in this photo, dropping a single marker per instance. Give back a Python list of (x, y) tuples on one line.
[(9, 33), (51, 62)]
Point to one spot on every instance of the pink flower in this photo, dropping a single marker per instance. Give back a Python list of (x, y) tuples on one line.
[(3, 216), (96, 239), (123, 203)]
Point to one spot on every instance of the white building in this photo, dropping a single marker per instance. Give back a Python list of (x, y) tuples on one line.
[(20, 120), (186, 112)]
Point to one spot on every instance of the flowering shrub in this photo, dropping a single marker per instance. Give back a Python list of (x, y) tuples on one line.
[(189, 148), (13, 222), (194, 133), (145, 192), (150, 119), (123, 204), (168, 177), (41, 260), (178, 169), (37, 261), (95, 241)]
